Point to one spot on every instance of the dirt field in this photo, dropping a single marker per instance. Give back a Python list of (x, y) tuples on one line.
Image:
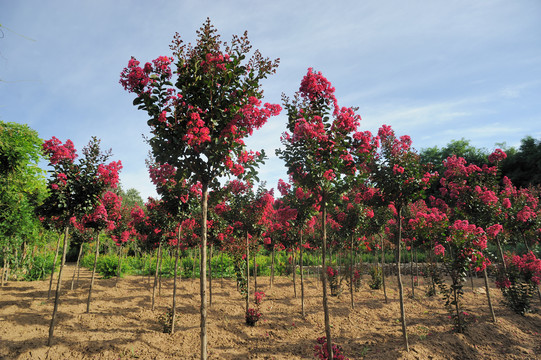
[(121, 324)]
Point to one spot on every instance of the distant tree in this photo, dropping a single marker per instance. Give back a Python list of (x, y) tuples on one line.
[(523, 166), (130, 197), (460, 148)]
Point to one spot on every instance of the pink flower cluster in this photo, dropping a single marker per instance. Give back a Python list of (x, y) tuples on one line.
[(322, 353), (526, 214), (252, 117), (59, 152), (528, 265), (315, 86), (197, 133), (331, 272), (497, 155), (134, 78), (258, 297), (163, 174), (494, 230), (218, 60), (161, 66), (439, 249), (109, 173)]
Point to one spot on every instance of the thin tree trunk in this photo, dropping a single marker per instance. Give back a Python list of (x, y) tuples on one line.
[(4, 269), (324, 277), (383, 269), (77, 267), (156, 274), (119, 272), (54, 266), (203, 270), (210, 274), (160, 274), (247, 273), (399, 279), (58, 287), (351, 272), (175, 284), (222, 267), (194, 261), (411, 272), (93, 273), (485, 276), (302, 280), (255, 271), (294, 267), (272, 267), (502, 258)]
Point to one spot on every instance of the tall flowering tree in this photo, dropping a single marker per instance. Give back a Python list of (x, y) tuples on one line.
[(105, 216), (401, 179), (250, 214), (294, 210), (352, 214), (320, 150), (199, 119), (75, 189), (471, 193)]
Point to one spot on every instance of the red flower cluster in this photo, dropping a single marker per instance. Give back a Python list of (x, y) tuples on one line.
[(109, 173), (315, 86), (331, 272), (322, 353), (497, 155), (258, 297), (134, 78), (162, 174), (59, 152), (529, 265)]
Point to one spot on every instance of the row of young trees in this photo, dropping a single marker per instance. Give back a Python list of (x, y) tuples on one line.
[(364, 187), (198, 124)]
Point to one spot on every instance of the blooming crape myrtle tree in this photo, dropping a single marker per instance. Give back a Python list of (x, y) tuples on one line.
[(374, 227), (429, 225), (79, 237), (352, 214), (521, 221), (470, 192), (523, 275), (320, 150), (522, 213), (75, 189), (180, 202), (297, 210), (401, 179), (104, 217), (462, 249), (198, 121), (250, 213), (156, 226)]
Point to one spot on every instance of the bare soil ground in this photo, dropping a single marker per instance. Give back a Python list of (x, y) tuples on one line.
[(121, 324)]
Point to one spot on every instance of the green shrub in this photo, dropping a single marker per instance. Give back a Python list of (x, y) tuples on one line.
[(39, 267)]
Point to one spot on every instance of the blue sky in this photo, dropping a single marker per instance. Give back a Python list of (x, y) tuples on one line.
[(435, 70)]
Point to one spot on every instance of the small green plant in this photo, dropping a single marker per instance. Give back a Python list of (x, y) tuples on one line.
[(376, 280), (40, 267), (166, 320)]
